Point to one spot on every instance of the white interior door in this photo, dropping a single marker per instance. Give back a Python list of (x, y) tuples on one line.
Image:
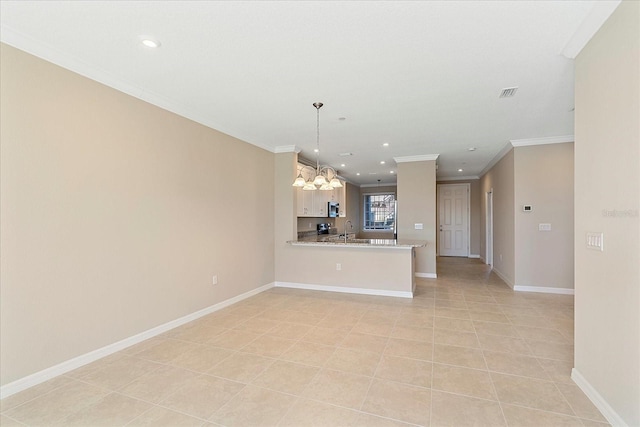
[(454, 219)]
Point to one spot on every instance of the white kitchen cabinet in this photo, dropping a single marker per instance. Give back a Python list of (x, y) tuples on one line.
[(314, 203), (305, 201), (320, 200)]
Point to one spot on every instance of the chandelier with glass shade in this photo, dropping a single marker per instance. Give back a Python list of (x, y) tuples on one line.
[(322, 177)]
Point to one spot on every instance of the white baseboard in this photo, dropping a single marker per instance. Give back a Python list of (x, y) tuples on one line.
[(476, 256), (344, 289), (427, 275), (503, 277), (607, 411), (544, 290), (77, 362)]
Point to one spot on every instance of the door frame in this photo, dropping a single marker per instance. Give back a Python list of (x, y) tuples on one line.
[(468, 185), (489, 228)]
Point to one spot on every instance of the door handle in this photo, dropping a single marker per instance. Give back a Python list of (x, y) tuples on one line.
[(440, 228)]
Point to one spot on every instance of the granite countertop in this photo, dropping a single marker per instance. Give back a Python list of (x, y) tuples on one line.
[(334, 240)]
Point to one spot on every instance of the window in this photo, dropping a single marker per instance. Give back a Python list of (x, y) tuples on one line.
[(379, 211)]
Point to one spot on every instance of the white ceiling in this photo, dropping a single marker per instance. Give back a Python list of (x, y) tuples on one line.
[(422, 76)]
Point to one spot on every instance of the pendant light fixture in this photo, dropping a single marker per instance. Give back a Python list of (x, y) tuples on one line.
[(323, 178)]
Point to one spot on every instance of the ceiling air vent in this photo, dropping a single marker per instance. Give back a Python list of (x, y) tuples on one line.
[(508, 92)]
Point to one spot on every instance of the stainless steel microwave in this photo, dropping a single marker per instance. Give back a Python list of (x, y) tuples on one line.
[(333, 209)]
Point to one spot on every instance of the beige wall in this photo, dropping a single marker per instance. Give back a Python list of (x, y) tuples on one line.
[(501, 180), (115, 214), (607, 177), (541, 176), (417, 204), (544, 179), (285, 205), (475, 216), (374, 268)]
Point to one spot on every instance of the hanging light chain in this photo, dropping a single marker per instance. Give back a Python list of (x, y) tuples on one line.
[(318, 105), (322, 174)]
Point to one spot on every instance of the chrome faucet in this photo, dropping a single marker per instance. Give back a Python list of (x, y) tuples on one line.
[(345, 229)]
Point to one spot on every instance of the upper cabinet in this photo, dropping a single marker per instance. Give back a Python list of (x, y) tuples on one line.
[(314, 203)]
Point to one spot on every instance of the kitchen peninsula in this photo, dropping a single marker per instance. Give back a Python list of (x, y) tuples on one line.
[(363, 266)]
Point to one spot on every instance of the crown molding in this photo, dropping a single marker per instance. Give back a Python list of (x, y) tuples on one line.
[(47, 53), (389, 184), (421, 158), (458, 178), (600, 12), (503, 152), (287, 149), (542, 141)]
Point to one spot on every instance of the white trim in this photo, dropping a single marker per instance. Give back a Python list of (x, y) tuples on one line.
[(503, 277), (599, 13), (47, 52), (474, 256), (84, 359), (344, 289), (427, 275), (607, 411), (542, 141), (488, 249), (503, 152), (544, 290), (458, 178), (420, 158), (287, 149), (391, 184)]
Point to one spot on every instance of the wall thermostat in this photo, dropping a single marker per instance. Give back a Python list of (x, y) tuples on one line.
[(526, 208)]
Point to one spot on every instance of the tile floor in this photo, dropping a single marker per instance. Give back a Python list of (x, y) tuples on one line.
[(466, 351)]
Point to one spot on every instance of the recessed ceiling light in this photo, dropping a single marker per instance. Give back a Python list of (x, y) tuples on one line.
[(391, 172), (149, 42), (382, 162), (342, 165), (386, 144), (472, 148), (315, 150), (459, 170), (358, 173)]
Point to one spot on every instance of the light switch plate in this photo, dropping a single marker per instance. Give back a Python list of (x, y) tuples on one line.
[(418, 226), (544, 227), (595, 241)]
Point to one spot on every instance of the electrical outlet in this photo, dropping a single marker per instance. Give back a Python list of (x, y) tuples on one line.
[(215, 279), (544, 227), (418, 226), (338, 266)]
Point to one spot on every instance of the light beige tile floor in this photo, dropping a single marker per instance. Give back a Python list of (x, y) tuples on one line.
[(466, 351)]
